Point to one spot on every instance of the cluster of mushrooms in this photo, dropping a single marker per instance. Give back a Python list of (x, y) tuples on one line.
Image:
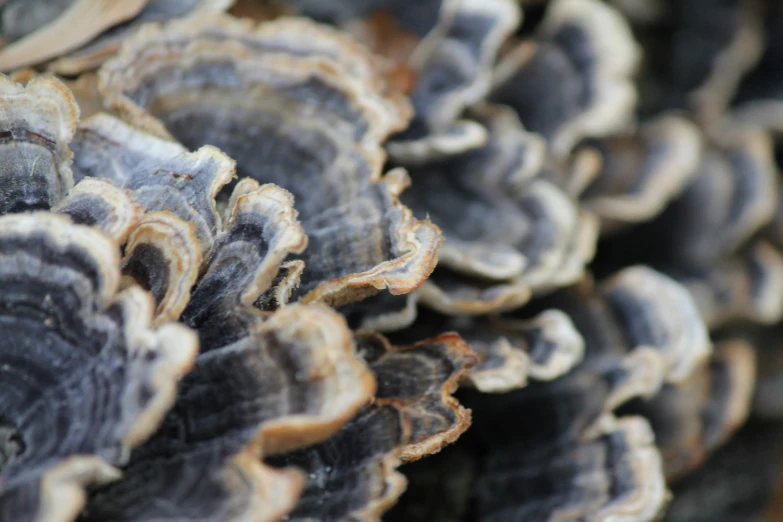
[(410, 260)]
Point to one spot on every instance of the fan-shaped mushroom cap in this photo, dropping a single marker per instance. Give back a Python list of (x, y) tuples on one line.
[(38, 122), (732, 195), (747, 285), (292, 382), (420, 379), (573, 80), (99, 204), (162, 175), (190, 75), (261, 231), (162, 255), (655, 311), (511, 231), (634, 332), (512, 351), (559, 467), (85, 379), (707, 238), (576, 460), (452, 66), (467, 195), (80, 34), (615, 476), (641, 173), (352, 475)]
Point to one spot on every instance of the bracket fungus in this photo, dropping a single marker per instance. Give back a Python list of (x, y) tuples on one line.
[(353, 476), (220, 298), (38, 122), (81, 34), (192, 93), (641, 173), (573, 79), (84, 377)]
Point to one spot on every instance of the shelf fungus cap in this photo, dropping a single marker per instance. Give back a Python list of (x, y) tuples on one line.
[(513, 352), (293, 381), (732, 195), (557, 241), (79, 35), (72, 336), (162, 256), (641, 173), (452, 67), (613, 473), (509, 232), (37, 123), (352, 475), (77, 24), (510, 352), (467, 192), (361, 487), (100, 204), (634, 334), (574, 79), (421, 379), (162, 175), (655, 311), (318, 114), (747, 285), (261, 231)]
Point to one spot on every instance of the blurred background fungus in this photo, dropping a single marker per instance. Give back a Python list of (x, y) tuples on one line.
[(402, 260)]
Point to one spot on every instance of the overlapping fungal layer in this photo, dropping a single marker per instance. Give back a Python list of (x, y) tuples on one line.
[(318, 106), (353, 476), (708, 237), (241, 272), (36, 126), (283, 382), (700, 400), (80, 34), (175, 238), (85, 379), (509, 231), (302, 380), (292, 381), (641, 172), (452, 67), (573, 79), (625, 178), (289, 112), (510, 352), (580, 459), (38, 122), (555, 469)]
